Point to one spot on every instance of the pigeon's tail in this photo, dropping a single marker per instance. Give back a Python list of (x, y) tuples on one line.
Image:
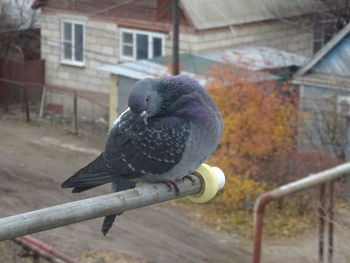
[(116, 187), (94, 174)]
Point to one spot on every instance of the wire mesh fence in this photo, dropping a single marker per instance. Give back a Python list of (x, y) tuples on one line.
[(78, 112), (83, 112)]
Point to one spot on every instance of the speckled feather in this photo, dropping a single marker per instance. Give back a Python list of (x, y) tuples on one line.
[(134, 149)]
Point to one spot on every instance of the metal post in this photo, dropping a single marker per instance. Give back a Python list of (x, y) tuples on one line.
[(321, 215), (75, 105), (331, 222), (259, 211), (26, 103), (176, 22), (114, 203), (42, 103)]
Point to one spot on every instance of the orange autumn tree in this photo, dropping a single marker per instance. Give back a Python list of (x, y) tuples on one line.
[(260, 122)]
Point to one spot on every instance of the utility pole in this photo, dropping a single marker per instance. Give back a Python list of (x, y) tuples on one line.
[(176, 22)]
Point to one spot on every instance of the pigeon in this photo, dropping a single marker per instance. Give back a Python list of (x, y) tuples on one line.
[(169, 129)]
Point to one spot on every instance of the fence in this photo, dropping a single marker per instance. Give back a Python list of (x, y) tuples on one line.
[(22, 92), (82, 110), (21, 85)]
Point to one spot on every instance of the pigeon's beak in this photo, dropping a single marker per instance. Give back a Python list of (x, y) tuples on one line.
[(144, 116)]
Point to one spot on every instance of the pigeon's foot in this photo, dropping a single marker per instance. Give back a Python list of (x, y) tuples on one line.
[(189, 177), (171, 185)]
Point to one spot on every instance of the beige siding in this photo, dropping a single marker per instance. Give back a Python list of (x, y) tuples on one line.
[(101, 47), (276, 34)]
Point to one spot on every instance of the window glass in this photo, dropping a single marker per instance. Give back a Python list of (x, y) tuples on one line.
[(127, 51), (67, 50), (67, 31), (317, 46), (127, 48), (127, 38), (141, 46), (73, 42), (78, 41), (157, 47), (323, 32), (137, 44)]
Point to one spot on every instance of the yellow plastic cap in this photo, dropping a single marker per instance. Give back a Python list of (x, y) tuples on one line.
[(213, 180)]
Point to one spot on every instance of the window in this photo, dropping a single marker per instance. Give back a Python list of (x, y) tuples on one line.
[(323, 32), (137, 44), (73, 43)]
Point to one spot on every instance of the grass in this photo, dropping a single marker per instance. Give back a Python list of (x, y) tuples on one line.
[(92, 256), (278, 223)]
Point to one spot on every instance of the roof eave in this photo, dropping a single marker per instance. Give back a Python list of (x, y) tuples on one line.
[(323, 51)]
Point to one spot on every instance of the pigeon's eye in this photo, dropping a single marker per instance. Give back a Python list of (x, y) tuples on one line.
[(147, 99)]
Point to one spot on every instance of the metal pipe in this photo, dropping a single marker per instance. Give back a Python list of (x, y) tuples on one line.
[(176, 23), (311, 180), (259, 211), (114, 203), (48, 249), (26, 245), (294, 187), (321, 215), (331, 222), (75, 112)]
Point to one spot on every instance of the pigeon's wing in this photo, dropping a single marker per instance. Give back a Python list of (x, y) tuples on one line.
[(134, 149), (95, 173)]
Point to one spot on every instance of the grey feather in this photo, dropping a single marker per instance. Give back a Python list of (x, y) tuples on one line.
[(171, 127)]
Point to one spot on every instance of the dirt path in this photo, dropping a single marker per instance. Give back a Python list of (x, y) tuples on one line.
[(36, 158)]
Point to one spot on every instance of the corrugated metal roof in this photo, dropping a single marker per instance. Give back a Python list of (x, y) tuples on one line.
[(145, 69), (206, 14), (256, 58), (136, 70)]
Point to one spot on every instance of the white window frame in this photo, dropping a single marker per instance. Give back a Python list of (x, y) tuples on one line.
[(73, 61), (150, 35)]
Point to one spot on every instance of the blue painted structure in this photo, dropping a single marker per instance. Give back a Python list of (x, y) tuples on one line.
[(337, 61)]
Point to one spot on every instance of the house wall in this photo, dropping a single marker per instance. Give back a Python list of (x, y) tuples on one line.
[(100, 48), (325, 123), (277, 34)]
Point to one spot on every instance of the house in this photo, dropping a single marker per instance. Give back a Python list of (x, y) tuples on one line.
[(255, 63), (324, 90), (79, 36)]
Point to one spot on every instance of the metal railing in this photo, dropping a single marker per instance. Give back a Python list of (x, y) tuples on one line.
[(74, 212), (312, 180)]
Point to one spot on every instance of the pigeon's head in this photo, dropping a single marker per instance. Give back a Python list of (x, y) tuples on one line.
[(144, 99), (163, 96)]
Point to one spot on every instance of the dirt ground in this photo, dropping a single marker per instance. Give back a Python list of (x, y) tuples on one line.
[(36, 158)]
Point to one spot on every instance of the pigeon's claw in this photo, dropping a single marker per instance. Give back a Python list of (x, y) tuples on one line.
[(171, 185)]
